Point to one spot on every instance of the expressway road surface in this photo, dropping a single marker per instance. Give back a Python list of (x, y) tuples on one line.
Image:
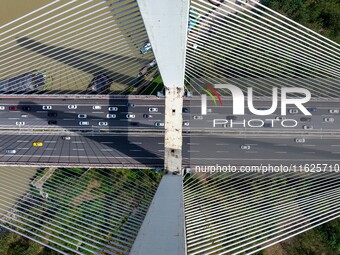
[(68, 118), (148, 149)]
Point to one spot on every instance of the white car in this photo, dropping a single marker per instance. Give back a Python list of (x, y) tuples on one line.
[(186, 123), (84, 123), (11, 151), (293, 111), (334, 111), (159, 124), (110, 116), (328, 119), (47, 107), (102, 123), (72, 106), (300, 140), (130, 116), (96, 107), (307, 127), (20, 123), (82, 116), (66, 138), (2, 108), (113, 109), (153, 109), (196, 117), (245, 147), (24, 115)]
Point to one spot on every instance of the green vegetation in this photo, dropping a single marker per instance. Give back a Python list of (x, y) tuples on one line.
[(77, 197), (324, 239), (323, 16)]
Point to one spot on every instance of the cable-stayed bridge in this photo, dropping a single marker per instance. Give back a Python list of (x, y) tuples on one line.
[(84, 79)]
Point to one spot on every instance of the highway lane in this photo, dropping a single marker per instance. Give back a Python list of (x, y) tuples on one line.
[(148, 149), (68, 118)]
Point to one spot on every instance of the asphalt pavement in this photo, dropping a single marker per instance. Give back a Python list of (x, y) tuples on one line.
[(137, 142)]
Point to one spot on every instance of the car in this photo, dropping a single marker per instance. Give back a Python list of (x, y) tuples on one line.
[(328, 119), (306, 119), (216, 2), (300, 140), (197, 117), (37, 144), (194, 18), (84, 123), (311, 109), (131, 105), (334, 111), (24, 115), (102, 123), (72, 106), (134, 123), (100, 83), (12, 108), (232, 117), (66, 138), (20, 123), (130, 116), (293, 111), (267, 125), (185, 110), (26, 82), (245, 147), (186, 123), (96, 107), (110, 116), (143, 71), (52, 122), (153, 109), (47, 107), (280, 118), (10, 151), (145, 48), (159, 124), (113, 109), (82, 116), (26, 108), (52, 114), (307, 127), (2, 108), (147, 116)]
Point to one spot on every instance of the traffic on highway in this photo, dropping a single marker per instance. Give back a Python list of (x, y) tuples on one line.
[(74, 133), (149, 114)]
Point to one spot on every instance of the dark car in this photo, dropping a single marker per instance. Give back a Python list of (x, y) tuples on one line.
[(12, 108), (267, 125), (52, 122), (52, 114), (305, 119), (185, 110), (26, 108), (312, 109), (100, 83), (232, 117), (147, 116), (131, 105), (134, 123)]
